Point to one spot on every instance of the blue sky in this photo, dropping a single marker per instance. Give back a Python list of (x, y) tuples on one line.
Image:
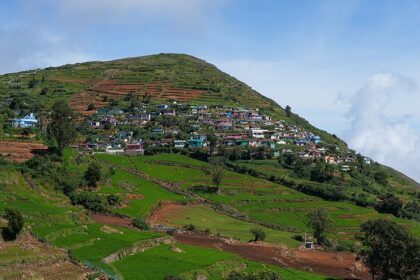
[(326, 59)]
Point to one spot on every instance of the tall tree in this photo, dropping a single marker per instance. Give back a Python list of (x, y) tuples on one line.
[(288, 111), (213, 142), (320, 223), (216, 171), (390, 251), (62, 126)]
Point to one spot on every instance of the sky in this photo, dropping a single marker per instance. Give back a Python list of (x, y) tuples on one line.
[(350, 67)]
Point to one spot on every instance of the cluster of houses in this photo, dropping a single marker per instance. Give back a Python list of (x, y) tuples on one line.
[(191, 126)]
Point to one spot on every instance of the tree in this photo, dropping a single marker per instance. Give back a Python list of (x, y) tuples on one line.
[(259, 234), (320, 223), (92, 175), (288, 111), (391, 252), (15, 224), (390, 204), (62, 127), (216, 171), (213, 142)]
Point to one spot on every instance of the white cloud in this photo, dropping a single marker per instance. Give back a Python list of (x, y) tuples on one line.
[(26, 48), (383, 117)]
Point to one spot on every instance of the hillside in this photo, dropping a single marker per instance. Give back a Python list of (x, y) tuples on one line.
[(163, 78), (174, 167)]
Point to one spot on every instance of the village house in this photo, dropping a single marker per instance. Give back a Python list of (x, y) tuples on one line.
[(180, 144), (26, 121), (198, 141), (114, 149), (257, 133), (330, 159), (168, 113), (135, 148)]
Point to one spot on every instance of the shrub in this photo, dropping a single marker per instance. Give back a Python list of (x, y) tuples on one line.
[(259, 234), (390, 205), (88, 200), (113, 200), (140, 224), (92, 175), (299, 237), (91, 107), (189, 227), (15, 224)]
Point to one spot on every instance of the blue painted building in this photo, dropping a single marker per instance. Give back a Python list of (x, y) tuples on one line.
[(197, 142), (26, 121)]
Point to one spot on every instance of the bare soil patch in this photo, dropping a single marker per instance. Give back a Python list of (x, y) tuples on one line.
[(161, 215), (111, 220), (102, 93), (20, 151), (341, 265)]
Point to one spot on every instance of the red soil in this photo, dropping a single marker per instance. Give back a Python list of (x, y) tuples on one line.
[(111, 220), (112, 90), (161, 216), (20, 151), (341, 265)]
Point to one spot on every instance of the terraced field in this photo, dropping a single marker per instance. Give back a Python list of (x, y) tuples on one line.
[(259, 200)]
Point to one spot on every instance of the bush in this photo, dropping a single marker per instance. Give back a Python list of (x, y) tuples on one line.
[(92, 175), (189, 227), (91, 107), (259, 234), (299, 237), (204, 189), (15, 224), (390, 204), (140, 224), (113, 200), (88, 200)]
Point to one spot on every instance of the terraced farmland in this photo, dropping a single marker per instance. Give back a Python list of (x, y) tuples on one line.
[(259, 200)]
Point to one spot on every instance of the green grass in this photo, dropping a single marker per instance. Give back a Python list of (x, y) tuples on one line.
[(259, 199), (161, 261), (206, 218), (123, 183)]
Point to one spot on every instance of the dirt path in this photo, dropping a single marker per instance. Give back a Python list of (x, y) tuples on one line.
[(340, 265)]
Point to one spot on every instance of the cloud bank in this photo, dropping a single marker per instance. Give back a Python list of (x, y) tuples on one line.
[(383, 117)]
